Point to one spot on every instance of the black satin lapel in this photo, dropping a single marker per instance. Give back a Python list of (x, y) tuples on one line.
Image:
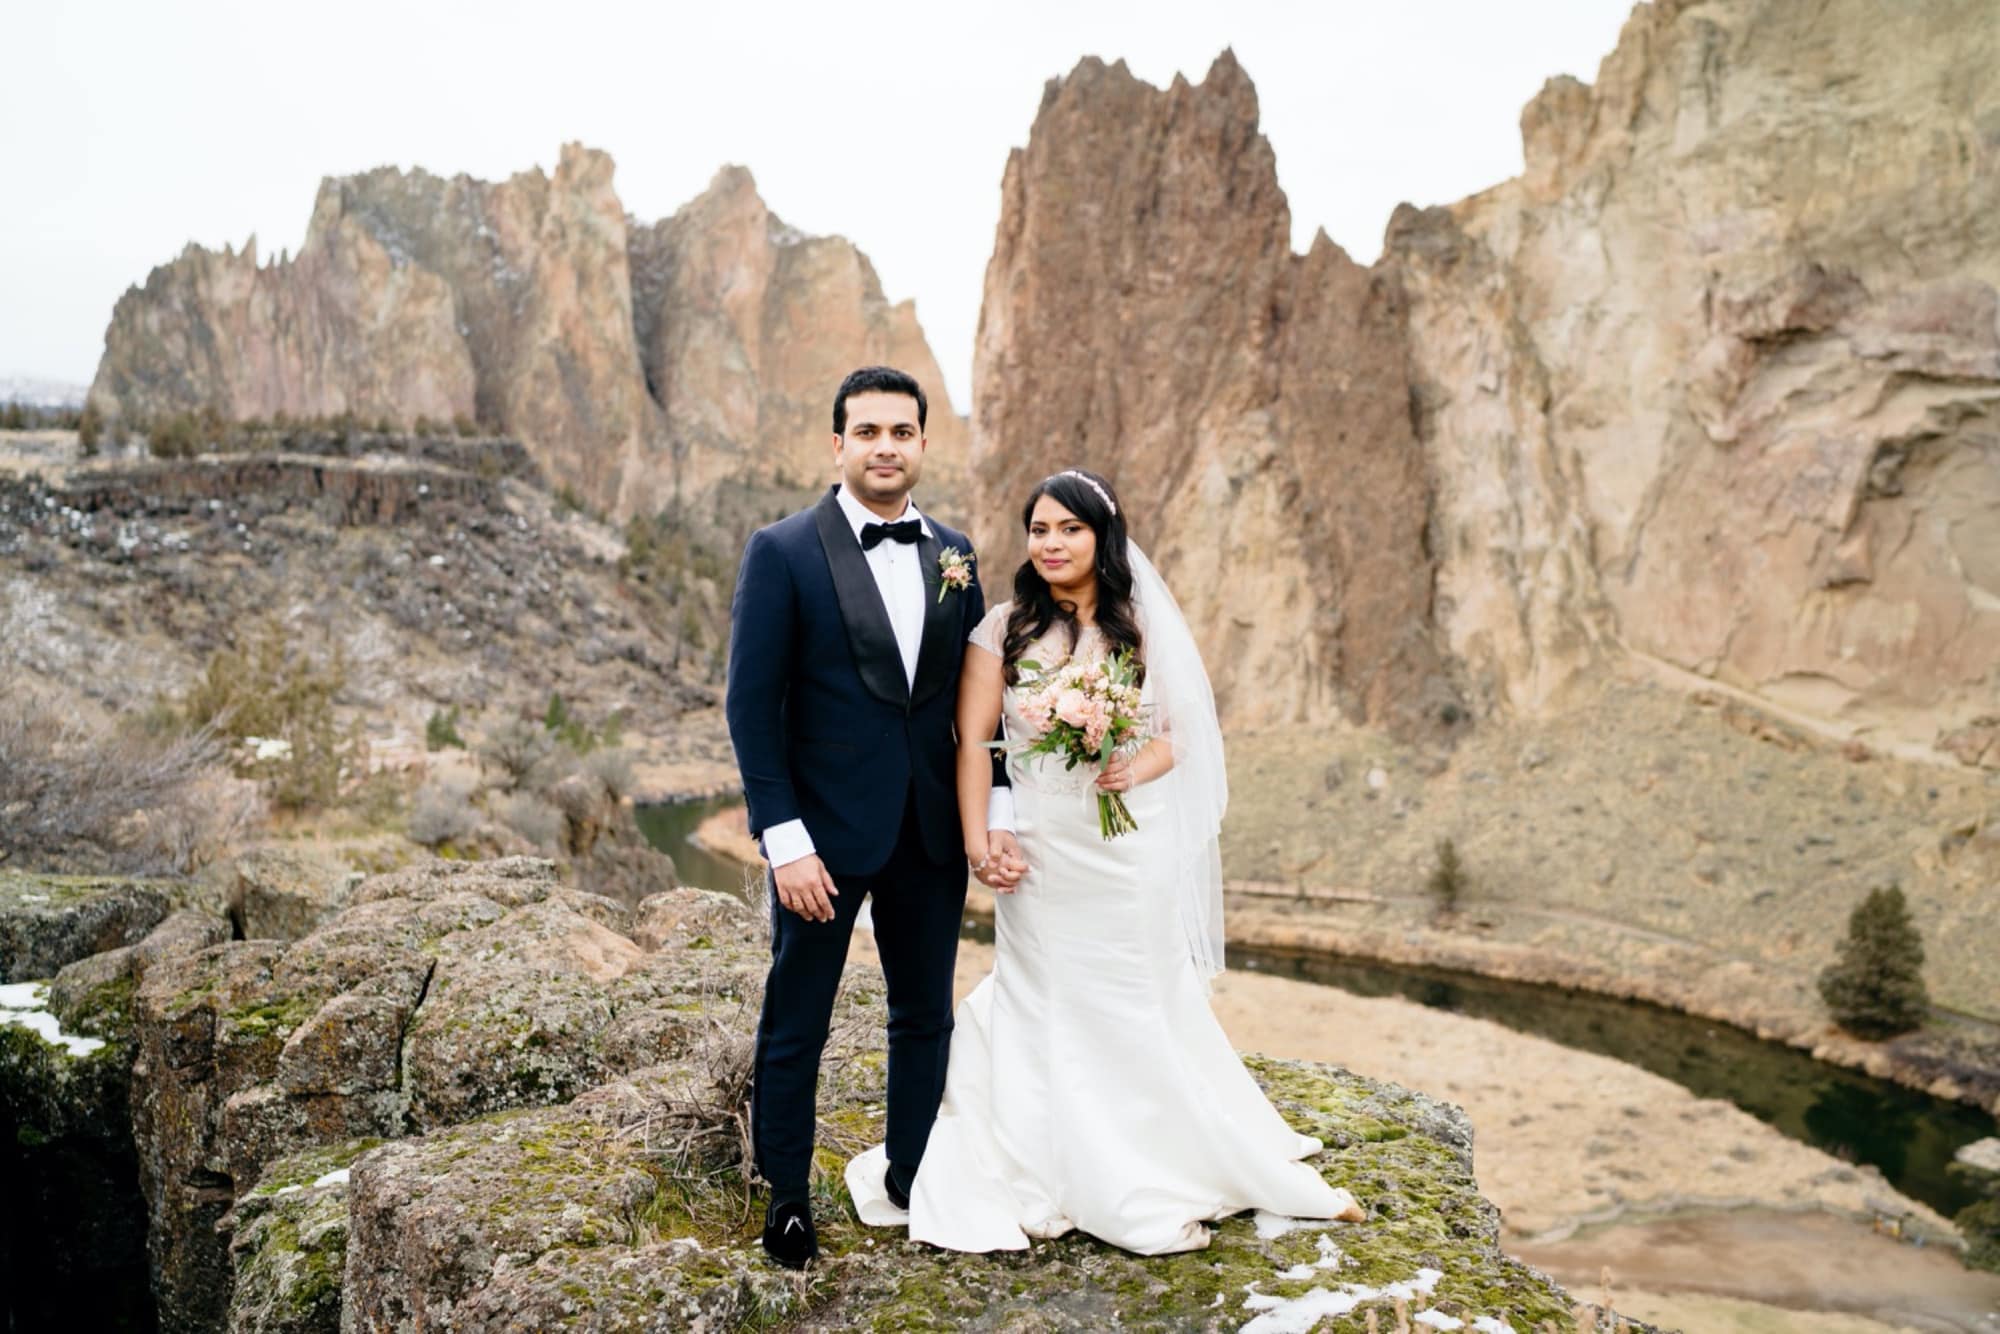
[(937, 666), (870, 638)]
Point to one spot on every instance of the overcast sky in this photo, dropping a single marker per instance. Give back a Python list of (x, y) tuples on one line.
[(130, 129)]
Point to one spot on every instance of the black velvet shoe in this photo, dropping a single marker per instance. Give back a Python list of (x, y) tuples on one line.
[(899, 1194), (788, 1235)]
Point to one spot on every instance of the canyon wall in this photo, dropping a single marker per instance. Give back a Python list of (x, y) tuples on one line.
[(640, 363), (1711, 387), (1145, 316)]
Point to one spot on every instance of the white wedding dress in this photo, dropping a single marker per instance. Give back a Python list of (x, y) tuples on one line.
[(1090, 1085)]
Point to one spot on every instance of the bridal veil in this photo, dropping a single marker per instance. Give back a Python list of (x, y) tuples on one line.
[(1198, 785)]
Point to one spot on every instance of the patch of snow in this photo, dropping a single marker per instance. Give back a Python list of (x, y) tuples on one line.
[(21, 1005), (1270, 1225), (337, 1177), (1437, 1319), (1297, 1315), (1411, 1289), (23, 995), (1487, 1324)]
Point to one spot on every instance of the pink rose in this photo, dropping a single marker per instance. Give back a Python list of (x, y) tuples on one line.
[(1073, 707)]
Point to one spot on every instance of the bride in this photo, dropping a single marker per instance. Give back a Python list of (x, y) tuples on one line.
[(1089, 1085)]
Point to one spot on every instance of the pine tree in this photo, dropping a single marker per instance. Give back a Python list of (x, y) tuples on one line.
[(1875, 989)]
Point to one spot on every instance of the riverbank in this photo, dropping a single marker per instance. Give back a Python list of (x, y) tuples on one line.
[(696, 765), (1957, 1059), (1679, 848)]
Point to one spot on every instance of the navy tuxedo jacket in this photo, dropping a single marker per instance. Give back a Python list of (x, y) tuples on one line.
[(826, 727)]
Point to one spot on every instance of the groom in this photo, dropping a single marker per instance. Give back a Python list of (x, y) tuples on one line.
[(843, 671)]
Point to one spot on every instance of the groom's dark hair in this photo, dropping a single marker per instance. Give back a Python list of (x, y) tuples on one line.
[(876, 380)]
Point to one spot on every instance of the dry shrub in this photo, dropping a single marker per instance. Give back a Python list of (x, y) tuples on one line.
[(442, 811), (531, 816), (521, 749), (613, 768), (79, 796)]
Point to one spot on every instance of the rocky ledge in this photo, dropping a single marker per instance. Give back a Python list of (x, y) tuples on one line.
[(475, 1098), (49, 921)]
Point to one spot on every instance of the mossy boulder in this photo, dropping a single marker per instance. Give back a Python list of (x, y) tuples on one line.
[(67, 1165), (562, 1145), (47, 921), (594, 1215), (75, 1239), (289, 1244), (280, 893), (441, 992)]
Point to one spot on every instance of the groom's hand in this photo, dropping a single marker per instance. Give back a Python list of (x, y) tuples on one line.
[(805, 888)]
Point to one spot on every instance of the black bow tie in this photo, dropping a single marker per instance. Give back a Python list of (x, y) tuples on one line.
[(873, 534)]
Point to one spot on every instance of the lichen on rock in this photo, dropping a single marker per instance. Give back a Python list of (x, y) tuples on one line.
[(625, 1206)]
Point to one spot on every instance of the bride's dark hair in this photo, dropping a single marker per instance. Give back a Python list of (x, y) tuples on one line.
[(1036, 607)]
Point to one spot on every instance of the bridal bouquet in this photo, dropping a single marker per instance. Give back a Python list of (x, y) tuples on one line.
[(1082, 713)]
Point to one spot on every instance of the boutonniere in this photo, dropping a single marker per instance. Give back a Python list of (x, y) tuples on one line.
[(954, 571)]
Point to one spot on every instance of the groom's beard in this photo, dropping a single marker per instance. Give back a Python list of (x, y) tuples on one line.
[(884, 488)]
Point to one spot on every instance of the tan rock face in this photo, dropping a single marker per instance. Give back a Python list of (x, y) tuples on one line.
[(1714, 385), (746, 327), (640, 363), (1717, 376), (1145, 317)]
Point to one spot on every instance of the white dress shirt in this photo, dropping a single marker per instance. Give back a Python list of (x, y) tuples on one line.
[(900, 580)]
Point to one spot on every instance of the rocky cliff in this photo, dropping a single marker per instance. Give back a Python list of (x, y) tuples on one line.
[(1710, 387), (1144, 315), (473, 1098), (640, 363), (1729, 346)]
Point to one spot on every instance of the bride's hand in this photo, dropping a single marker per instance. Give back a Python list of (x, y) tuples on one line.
[(1117, 776), (1008, 865), (999, 866)]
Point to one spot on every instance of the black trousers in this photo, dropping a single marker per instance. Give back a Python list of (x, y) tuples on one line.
[(918, 905)]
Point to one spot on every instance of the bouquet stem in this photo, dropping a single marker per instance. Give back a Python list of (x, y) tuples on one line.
[(1114, 817)]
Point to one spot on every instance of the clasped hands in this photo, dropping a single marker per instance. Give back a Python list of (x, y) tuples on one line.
[(806, 888), (1000, 865)]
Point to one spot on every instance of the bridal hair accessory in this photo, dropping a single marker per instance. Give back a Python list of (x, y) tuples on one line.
[(954, 571), (1091, 482)]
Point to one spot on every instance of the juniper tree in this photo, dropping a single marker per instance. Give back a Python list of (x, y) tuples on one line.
[(1875, 988)]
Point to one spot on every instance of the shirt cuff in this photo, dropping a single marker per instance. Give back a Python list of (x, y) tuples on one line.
[(786, 843), (1000, 809)]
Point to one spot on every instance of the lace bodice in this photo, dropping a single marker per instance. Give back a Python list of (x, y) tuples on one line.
[(1051, 649)]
